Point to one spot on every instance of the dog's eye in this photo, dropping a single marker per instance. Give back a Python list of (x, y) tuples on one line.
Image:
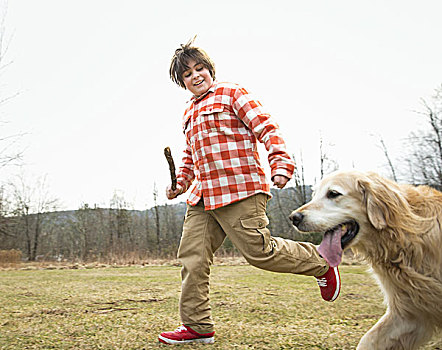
[(333, 194)]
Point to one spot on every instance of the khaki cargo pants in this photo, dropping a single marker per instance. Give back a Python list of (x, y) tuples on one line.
[(245, 224)]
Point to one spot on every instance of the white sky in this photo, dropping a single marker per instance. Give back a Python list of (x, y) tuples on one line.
[(99, 107)]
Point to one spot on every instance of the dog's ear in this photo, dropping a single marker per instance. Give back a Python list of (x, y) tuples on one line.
[(375, 207), (383, 201)]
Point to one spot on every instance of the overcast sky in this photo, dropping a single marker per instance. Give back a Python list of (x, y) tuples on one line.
[(98, 107)]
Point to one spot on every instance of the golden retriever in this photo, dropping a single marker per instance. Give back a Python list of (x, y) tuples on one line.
[(397, 230)]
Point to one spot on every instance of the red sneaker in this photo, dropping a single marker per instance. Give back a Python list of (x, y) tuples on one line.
[(330, 284), (184, 335)]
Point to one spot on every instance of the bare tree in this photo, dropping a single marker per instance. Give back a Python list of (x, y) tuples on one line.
[(120, 225), (157, 217), (147, 229), (31, 202), (388, 158), (6, 220), (327, 164), (425, 146), (299, 179), (83, 226), (7, 142)]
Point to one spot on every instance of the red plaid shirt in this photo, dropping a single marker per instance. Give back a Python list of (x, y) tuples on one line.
[(222, 128)]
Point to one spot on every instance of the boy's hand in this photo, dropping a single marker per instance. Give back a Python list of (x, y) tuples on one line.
[(280, 181), (171, 194)]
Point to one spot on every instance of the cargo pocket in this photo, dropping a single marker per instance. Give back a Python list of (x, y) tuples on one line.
[(259, 225)]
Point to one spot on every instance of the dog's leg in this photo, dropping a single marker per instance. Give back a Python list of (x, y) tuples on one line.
[(393, 332)]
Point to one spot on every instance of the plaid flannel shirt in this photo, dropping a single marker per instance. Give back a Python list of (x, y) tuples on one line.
[(222, 128)]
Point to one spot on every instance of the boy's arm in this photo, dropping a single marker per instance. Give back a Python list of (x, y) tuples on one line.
[(266, 130), (185, 173)]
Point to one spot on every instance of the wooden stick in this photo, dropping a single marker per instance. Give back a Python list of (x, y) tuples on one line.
[(169, 158)]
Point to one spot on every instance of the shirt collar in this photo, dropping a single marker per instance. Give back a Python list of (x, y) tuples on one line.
[(211, 89)]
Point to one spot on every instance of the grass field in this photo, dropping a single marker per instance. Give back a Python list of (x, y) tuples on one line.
[(126, 308)]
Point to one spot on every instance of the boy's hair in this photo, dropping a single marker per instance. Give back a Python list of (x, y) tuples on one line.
[(181, 58)]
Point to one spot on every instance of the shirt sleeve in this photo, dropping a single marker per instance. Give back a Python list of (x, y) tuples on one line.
[(185, 173), (266, 130)]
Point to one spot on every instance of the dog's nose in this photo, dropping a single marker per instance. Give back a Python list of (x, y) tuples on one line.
[(296, 217)]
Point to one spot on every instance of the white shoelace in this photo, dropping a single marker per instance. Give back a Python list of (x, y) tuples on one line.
[(322, 282), (181, 328)]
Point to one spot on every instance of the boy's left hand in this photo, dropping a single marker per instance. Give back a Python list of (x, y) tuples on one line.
[(280, 181)]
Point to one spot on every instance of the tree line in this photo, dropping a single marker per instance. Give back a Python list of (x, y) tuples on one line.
[(119, 233)]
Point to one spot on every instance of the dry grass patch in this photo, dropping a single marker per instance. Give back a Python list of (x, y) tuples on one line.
[(126, 308), (10, 258)]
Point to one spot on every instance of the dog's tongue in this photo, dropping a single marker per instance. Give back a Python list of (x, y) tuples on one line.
[(330, 247)]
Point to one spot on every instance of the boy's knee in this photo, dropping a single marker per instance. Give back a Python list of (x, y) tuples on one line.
[(261, 258)]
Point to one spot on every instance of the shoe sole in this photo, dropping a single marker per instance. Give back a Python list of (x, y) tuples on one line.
[(164, 340), (338, 284)]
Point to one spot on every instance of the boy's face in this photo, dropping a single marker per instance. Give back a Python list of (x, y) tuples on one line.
[(197, 78)]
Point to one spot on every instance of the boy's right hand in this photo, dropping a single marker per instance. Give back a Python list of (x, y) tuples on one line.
[(171, 194)]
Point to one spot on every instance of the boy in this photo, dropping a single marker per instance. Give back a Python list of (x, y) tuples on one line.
[(222, 125)]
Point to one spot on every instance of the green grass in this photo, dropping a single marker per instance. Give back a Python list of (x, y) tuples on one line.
[(126, 308)]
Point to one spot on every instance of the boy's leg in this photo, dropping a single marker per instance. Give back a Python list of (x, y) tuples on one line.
[(201, 237), (245, 224)]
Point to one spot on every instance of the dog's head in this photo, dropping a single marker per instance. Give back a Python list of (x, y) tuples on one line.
[(349, 208)]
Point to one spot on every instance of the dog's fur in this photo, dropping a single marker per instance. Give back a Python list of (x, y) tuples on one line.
[(400, 236)]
